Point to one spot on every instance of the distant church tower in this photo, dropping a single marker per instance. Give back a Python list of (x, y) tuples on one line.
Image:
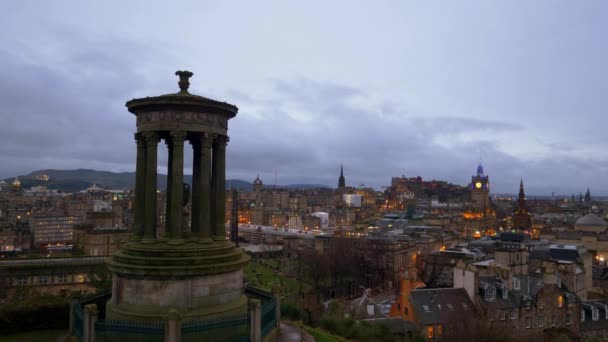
[(257, 184), (588, 196), (480, 190), (341, 180), (521, 217)]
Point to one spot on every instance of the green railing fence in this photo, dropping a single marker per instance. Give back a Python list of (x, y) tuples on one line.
[(269, 321), (78, 322), (233, 328), (110, 331)]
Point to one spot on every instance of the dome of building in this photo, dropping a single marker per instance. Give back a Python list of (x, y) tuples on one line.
[(16, 182), (591, 220), (257, 181)]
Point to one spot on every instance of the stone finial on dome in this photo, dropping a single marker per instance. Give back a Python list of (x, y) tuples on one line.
[(184, 80)]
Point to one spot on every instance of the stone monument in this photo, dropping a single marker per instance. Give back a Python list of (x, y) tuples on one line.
[(193, 269)]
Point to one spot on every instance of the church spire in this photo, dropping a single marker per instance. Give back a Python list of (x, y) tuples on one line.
[(341, 180), (588, 196), (522, 194)]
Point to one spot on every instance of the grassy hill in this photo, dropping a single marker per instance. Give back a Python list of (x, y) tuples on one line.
[(80, 179)]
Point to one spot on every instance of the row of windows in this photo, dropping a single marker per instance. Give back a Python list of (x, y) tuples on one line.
[(540, 321), (44, 279)]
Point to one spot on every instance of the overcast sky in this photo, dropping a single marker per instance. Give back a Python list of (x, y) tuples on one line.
[(385, 87)]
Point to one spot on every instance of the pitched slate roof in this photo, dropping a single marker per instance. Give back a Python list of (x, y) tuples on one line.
[(441, 306)]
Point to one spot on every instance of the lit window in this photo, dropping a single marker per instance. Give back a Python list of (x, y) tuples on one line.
[(560, 301), (582, 315), (528, 322), (516, 284), (430, 333)]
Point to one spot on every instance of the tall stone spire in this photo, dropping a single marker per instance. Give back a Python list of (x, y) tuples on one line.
[(588, 196), (341, 180), (521, 217)]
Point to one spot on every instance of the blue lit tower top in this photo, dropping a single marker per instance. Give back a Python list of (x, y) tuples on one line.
[(480, 190), (480, 181), (480, 170)]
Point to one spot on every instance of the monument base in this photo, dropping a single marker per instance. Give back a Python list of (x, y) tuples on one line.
[(197, 279)]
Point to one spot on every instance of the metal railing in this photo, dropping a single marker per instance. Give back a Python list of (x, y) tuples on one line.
[(269, 315), (232, 328), (78, 322), (110, 331), (228, 328)]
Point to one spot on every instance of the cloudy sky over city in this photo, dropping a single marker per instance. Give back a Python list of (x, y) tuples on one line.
[(388, 88)]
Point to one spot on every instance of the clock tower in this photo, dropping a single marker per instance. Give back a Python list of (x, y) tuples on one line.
[(480, 191)]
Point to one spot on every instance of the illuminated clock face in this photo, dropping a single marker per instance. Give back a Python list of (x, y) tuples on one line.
[(478, 185)]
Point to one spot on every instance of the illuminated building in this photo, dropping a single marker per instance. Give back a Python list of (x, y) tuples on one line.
[(480, 219), (480, 191)]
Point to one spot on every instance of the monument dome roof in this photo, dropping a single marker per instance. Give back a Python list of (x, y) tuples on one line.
[(591, 220)]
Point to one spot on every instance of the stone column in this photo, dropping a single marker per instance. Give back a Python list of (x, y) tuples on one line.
[(90, 317), (140, 187), (73, 302), (201, 188), (219, 187), (173, 327), (168, 187), (255, 320), (196, 186), (177, 184), (152, 140)]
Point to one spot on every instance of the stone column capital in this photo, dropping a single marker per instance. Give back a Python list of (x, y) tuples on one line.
[(151, 137), (177, 137), (204, 140), (254, 304), (139, 139), (207, 139), (220, 141)]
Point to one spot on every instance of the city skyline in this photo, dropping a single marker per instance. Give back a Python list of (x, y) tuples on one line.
[(388, 90)]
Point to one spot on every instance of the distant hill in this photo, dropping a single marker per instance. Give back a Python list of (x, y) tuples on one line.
[(80, 179)]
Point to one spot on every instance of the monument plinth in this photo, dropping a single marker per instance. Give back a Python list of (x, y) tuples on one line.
[(195, 271)]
